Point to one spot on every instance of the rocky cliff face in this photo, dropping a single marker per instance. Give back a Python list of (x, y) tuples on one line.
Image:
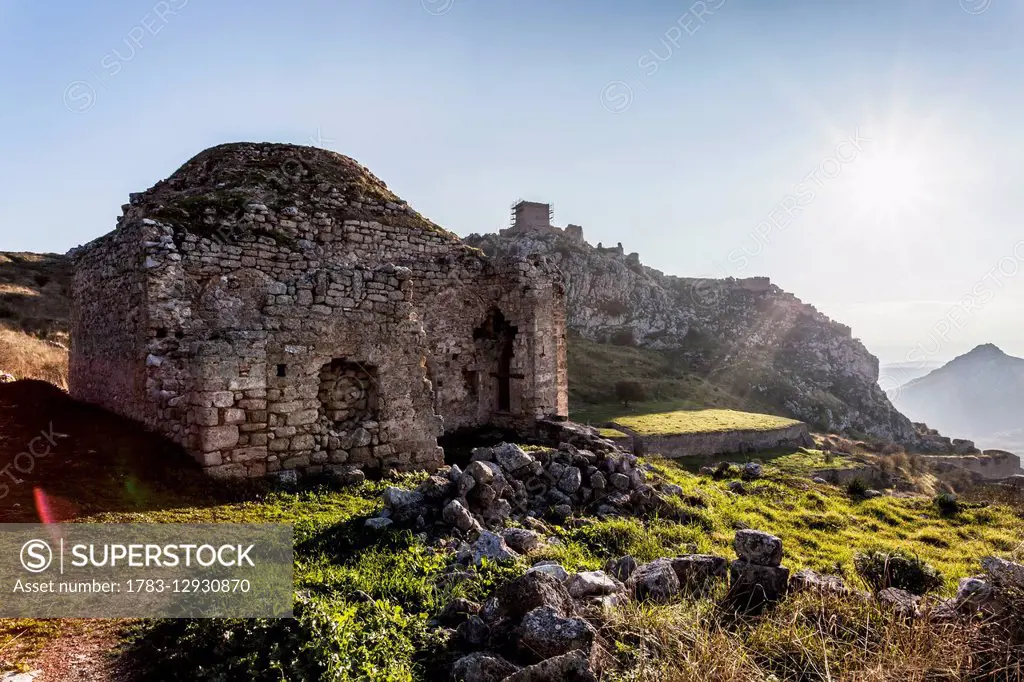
[(748, 334)]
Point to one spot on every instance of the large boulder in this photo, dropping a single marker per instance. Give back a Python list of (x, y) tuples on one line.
[(570, 667), (698, 573), (492, 547), (517, 598), (552, 568), (404, 505), (972, 595), (455, 514), (482, 667), (807, 580), (758, 547), (511, 457), (902, 602), (522, 540), (1004, 574), (753, 585), (592, 584), (620, 568), (544, 634), (655, 581)]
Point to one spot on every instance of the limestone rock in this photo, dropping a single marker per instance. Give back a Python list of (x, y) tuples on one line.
[(592, 583), (482, 667), (378, 523), (511, 457), (808, 580), (621, 568), (458, 610), (571, 667), (753, 585), (522, 540), (972, 594), (404, 505), (751, 471), (545, 634), (458, 516), (516, 598), (551, 568), (655, 581), (901, 601), (1004, 574), (698, 573), (758, 547), (473, 631), (492, 547)]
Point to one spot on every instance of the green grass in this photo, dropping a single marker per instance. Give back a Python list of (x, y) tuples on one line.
[(805, 461), (606, 432), (700, 421), (339, 633), (594, 368)]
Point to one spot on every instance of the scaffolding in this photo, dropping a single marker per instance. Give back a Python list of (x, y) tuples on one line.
[(519, 202)]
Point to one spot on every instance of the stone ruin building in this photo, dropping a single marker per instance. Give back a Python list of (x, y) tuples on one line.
[(273, 307)]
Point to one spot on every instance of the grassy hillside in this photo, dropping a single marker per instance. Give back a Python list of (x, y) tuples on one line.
[(366, 600), (34, 316), (669, 387)]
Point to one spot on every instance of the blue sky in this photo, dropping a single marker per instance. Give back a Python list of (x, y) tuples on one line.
[(685, 131)]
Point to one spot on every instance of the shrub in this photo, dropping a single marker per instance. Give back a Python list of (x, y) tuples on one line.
[(624, 337), (856, 487), (628, 391), (948, 504), (881, 570)]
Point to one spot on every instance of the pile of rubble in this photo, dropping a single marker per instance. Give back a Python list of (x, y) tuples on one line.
[(538, 628), (541, 627), (504, 482)]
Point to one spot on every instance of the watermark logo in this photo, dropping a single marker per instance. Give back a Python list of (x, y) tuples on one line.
[(79, 97), (25, 462), (36, 556), (616, 97), (975, 6), (437, 7), (705, 293)]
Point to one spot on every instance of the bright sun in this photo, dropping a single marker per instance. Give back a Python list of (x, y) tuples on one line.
[(890, 183)]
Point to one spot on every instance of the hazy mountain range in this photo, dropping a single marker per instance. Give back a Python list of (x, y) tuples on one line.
[(978, 395)]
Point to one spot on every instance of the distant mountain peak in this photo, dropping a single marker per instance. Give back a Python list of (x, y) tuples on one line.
[(985, 350)]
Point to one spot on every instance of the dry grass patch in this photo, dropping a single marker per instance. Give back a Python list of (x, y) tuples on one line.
[(27, 357)]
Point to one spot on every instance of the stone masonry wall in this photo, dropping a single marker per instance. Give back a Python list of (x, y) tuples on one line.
[(265, 270), (108, 323)]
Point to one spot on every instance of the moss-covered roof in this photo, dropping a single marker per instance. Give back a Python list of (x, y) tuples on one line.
[(228, 177)]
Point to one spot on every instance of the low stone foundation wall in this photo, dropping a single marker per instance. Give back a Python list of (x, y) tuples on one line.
[(992, 465), (720, 442)]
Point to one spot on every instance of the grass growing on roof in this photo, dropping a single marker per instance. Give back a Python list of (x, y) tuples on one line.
[(701, 421)]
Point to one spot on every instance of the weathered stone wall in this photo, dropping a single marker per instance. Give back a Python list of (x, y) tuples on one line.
[(720, 442), (108, 323), (271, 274)]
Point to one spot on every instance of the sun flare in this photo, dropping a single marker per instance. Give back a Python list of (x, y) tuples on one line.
[(891, 183)]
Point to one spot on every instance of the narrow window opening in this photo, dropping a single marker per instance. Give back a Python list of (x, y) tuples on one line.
[(282, 370)]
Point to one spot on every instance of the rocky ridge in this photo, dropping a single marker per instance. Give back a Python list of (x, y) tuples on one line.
[(747, 334)]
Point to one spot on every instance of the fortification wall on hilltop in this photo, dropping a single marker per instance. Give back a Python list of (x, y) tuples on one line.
[(745, 333)]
